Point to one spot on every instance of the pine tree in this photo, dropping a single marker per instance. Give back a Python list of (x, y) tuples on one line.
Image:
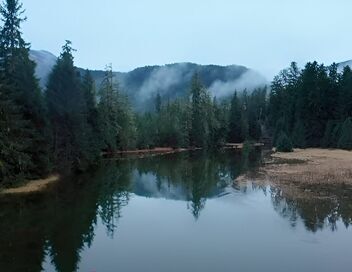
[(235, 132), (345, 140), (93, 129), (15, 163), (200, 98), (345, 95), (19, 72), (108, 112), (299, 135), (68, 114), (328, 140)]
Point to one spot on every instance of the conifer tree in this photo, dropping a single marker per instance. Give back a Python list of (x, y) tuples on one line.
[(108, 112), (68, 114), (235, 132), (200, 111), (284, 143), (19, 72), (299, 135), (345, 140), (93, 129), (15, 163)]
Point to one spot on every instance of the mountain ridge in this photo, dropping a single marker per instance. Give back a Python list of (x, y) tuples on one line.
[(142, 84)]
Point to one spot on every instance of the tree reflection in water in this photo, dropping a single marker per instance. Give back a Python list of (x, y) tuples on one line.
[(316, 212), (61, 223)]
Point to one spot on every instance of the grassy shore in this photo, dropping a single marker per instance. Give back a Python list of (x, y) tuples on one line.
[(306, 173), (310, 166), (33, 186)]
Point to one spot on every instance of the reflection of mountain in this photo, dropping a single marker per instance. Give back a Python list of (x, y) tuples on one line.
[(149, 185)]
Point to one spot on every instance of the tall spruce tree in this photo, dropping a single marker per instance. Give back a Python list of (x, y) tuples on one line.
[(235, 127), (19, 72), (93, 129), (15, 163), (108, 112), (345, 140), (68, 114), (200, 98)]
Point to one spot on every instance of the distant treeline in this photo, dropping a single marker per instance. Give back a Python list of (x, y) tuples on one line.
[(67, 126), (311, 107)]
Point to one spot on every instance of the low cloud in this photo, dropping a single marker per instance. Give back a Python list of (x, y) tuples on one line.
[(161, 80), (249, 80)]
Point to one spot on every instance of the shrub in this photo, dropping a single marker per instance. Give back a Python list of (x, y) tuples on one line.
[(284, 143)]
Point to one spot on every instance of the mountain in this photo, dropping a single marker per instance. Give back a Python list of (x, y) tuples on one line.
[(341, 65), (170, 81), (45, 62)]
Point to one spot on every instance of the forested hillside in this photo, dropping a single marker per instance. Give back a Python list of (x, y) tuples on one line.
[(170, 81)]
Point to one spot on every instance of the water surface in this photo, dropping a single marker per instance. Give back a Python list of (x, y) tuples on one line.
[(178, 212)]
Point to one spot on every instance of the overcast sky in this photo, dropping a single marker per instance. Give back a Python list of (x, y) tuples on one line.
[(262, 34)]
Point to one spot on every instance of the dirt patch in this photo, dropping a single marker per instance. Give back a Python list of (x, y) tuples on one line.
[(32, 186)]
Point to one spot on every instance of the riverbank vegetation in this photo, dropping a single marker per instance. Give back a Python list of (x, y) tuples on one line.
[(68, 125)]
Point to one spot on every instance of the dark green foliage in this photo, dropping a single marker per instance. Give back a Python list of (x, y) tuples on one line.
[(235, 119), (345, 96), (299, 135), (69, 115), (329, 139), (345, 139), (93, 132), (15, 163), (116, 119), (201, 111), (23, 98), (219, 124), (108, 112), (180, 75), (311, 104), (284, 143), (281, 126)]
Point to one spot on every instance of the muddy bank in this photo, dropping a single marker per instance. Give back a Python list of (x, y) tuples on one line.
[(140, 153), (33, 186)]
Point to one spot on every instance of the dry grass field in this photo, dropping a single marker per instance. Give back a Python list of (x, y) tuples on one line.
[(310, 166), (306, 173)]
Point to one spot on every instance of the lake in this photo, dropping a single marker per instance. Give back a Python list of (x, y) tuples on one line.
[(178, 212)]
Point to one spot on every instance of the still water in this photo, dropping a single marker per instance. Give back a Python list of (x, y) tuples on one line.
[(179, 212)]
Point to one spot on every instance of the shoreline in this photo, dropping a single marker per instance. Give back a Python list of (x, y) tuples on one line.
[(35, 186), (32, 186), (305, 173), (141, 153)]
